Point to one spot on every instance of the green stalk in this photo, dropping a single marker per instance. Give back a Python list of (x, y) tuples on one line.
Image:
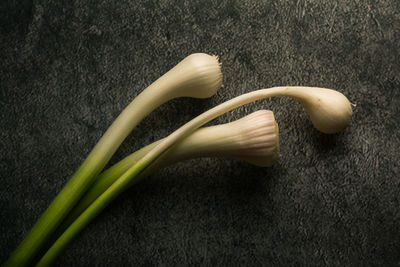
[(323, 106), (198, 75), (103, 181)]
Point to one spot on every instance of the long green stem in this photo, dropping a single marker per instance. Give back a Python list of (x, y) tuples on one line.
[(304, 94), (198, 75), (102, 182)]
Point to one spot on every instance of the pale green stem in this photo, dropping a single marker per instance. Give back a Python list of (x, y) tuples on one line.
[(132, 173)]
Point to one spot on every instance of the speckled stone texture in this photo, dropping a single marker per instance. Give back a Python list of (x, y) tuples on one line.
[(69, 67)]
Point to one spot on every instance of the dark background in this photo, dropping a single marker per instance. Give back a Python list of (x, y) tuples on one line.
[(68, 68)]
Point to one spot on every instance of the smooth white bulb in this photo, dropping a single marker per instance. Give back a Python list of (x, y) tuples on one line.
[(329, 110)]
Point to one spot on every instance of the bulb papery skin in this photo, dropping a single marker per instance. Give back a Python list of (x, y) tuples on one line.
[(198, 75), (329, 110), (253, 138)]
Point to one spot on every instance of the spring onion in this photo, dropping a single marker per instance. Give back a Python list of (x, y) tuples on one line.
[(329, 111)]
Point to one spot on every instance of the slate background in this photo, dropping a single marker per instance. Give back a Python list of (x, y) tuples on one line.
[(69, 67)]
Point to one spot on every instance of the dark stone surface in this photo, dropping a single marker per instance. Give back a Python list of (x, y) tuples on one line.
[(69, 67)]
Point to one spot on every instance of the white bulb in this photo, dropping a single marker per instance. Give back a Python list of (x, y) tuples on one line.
[(198, 75), (253, 138), (329, 110)]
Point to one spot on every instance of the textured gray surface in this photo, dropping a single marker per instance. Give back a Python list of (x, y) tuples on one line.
[(69, 67)]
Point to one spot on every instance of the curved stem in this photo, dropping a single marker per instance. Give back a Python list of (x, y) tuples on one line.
[(132, 174)]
